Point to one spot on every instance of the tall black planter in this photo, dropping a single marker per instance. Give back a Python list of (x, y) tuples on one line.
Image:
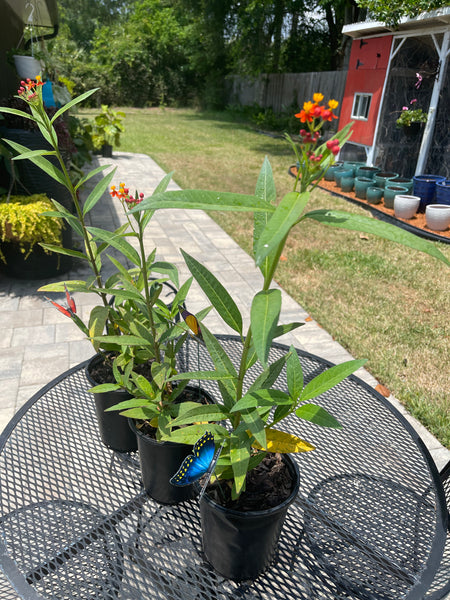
[(114, 430), (38, 265), (241, 545)]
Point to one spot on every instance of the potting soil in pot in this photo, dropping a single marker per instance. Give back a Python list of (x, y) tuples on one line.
[(267, 485)]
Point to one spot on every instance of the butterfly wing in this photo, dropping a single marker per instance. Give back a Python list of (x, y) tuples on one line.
[(192, 322), (197, 464)]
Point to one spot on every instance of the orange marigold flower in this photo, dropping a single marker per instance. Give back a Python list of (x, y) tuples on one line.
[(318, 97)]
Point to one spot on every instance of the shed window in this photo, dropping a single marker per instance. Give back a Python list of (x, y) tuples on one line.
[(361, 106)]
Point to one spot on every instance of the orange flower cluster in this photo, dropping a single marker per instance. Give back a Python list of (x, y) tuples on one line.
[(314, 110), (28, 88), (123, 194)]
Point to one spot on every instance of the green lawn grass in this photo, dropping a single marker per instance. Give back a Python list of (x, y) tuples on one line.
[(379, 300)]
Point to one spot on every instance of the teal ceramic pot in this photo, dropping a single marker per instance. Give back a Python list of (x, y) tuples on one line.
[(381, 178), (403, 181), (353, 165), (329, 174), (361, 185), (347, 184), (365, 171), (374, 194), (390, 191), (342, 172)]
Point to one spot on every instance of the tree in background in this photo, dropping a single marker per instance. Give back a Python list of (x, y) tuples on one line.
[(392, 11)]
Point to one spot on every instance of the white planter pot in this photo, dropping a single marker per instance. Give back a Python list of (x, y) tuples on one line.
[(27, 67), (405, 206), (438, 216)]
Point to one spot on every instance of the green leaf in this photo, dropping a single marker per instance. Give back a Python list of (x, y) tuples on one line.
[(282, 329), (189, 435), (204, 200), (268, 377), (265, 189), (240, 452), (201, 375), (121, 340), (285, 217), (216, 293), (162, 185), (218, 355), (66, 251), (42, 163), (88, 176), (15, 111), (256, 426), (118, 242), (97, 323), (73, 102), (32, 153), (261, 398), (209, 412), (168, 269), (329, 378), (294, 374), (103, 388), (264, 314), (98, 192), (318, 415), (160, 373), (344, 220), (59, 286), (131, 403)]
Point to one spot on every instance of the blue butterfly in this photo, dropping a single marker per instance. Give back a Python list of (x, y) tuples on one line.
[(196, 464)]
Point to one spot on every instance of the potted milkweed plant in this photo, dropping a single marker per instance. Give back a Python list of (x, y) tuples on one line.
[(137, 335), (240, 528)]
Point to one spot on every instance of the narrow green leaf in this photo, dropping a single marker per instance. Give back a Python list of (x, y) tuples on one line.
[(216, 293), (121, 340), (218, 355), (32, 153), (88, 176), (103, 388), (160, 373), (42, 163), (240, 452), (286, 328), (168, 269), (66, 251), (285, 217), (264, 314), (210, 412), (98, 192), (268, 377), (201, 375), (256, 425), (261, 398), (329, 378), (97, 323), (162, 185), (344, 220), (15, 111), (77, 100), (73, 285), (318, 415), (294, 374), (118, 242), (190, 434), (132, 403), (204, 200)]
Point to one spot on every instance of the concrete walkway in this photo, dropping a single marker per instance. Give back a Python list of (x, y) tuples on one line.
[(38, 343)]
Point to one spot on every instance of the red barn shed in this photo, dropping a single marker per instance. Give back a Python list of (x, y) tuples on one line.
[(387, 70)]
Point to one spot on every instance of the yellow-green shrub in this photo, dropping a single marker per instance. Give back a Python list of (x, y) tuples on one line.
[(22, 221)]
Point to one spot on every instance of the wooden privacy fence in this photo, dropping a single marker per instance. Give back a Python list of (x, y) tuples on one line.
[(279, 90)]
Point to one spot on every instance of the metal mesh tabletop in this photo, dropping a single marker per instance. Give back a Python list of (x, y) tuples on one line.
[(369, 521)]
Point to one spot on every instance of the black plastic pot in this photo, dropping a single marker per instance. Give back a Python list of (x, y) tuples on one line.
[(114, 430), (241, 545), (38, 265), (160, 461)]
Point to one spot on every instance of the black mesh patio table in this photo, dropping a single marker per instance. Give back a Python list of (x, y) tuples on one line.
[(369, 521)]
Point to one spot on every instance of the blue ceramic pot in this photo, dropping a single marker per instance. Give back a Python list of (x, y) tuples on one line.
[(425, 187), (443, 192)]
